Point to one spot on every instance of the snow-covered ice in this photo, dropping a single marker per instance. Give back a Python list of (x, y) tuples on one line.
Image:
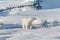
[(40, 33), (52, 33)]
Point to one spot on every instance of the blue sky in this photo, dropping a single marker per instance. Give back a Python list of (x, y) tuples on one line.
[(49, 4)]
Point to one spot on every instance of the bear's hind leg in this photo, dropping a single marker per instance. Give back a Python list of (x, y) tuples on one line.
[(31, 27), (26, 27)]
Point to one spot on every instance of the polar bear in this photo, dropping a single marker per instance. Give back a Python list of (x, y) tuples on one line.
[(27, 22)]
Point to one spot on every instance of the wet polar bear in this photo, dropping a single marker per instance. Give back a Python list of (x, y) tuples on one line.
[(27, 22)]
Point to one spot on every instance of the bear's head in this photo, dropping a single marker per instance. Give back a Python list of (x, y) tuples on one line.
[(33, 18)]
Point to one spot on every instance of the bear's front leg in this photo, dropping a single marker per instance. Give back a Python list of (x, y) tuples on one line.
[(26, 26), (23, 27), (30, 25)]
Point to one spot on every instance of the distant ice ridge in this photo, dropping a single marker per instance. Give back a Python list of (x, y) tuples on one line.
[(5, 4)]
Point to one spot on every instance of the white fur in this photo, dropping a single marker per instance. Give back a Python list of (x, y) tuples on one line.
[(27, 23)]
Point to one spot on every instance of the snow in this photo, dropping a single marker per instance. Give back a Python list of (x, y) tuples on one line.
[(51, 33), (24, 9), (1, 20), (11, 20), (46, 13), (14, 11)]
